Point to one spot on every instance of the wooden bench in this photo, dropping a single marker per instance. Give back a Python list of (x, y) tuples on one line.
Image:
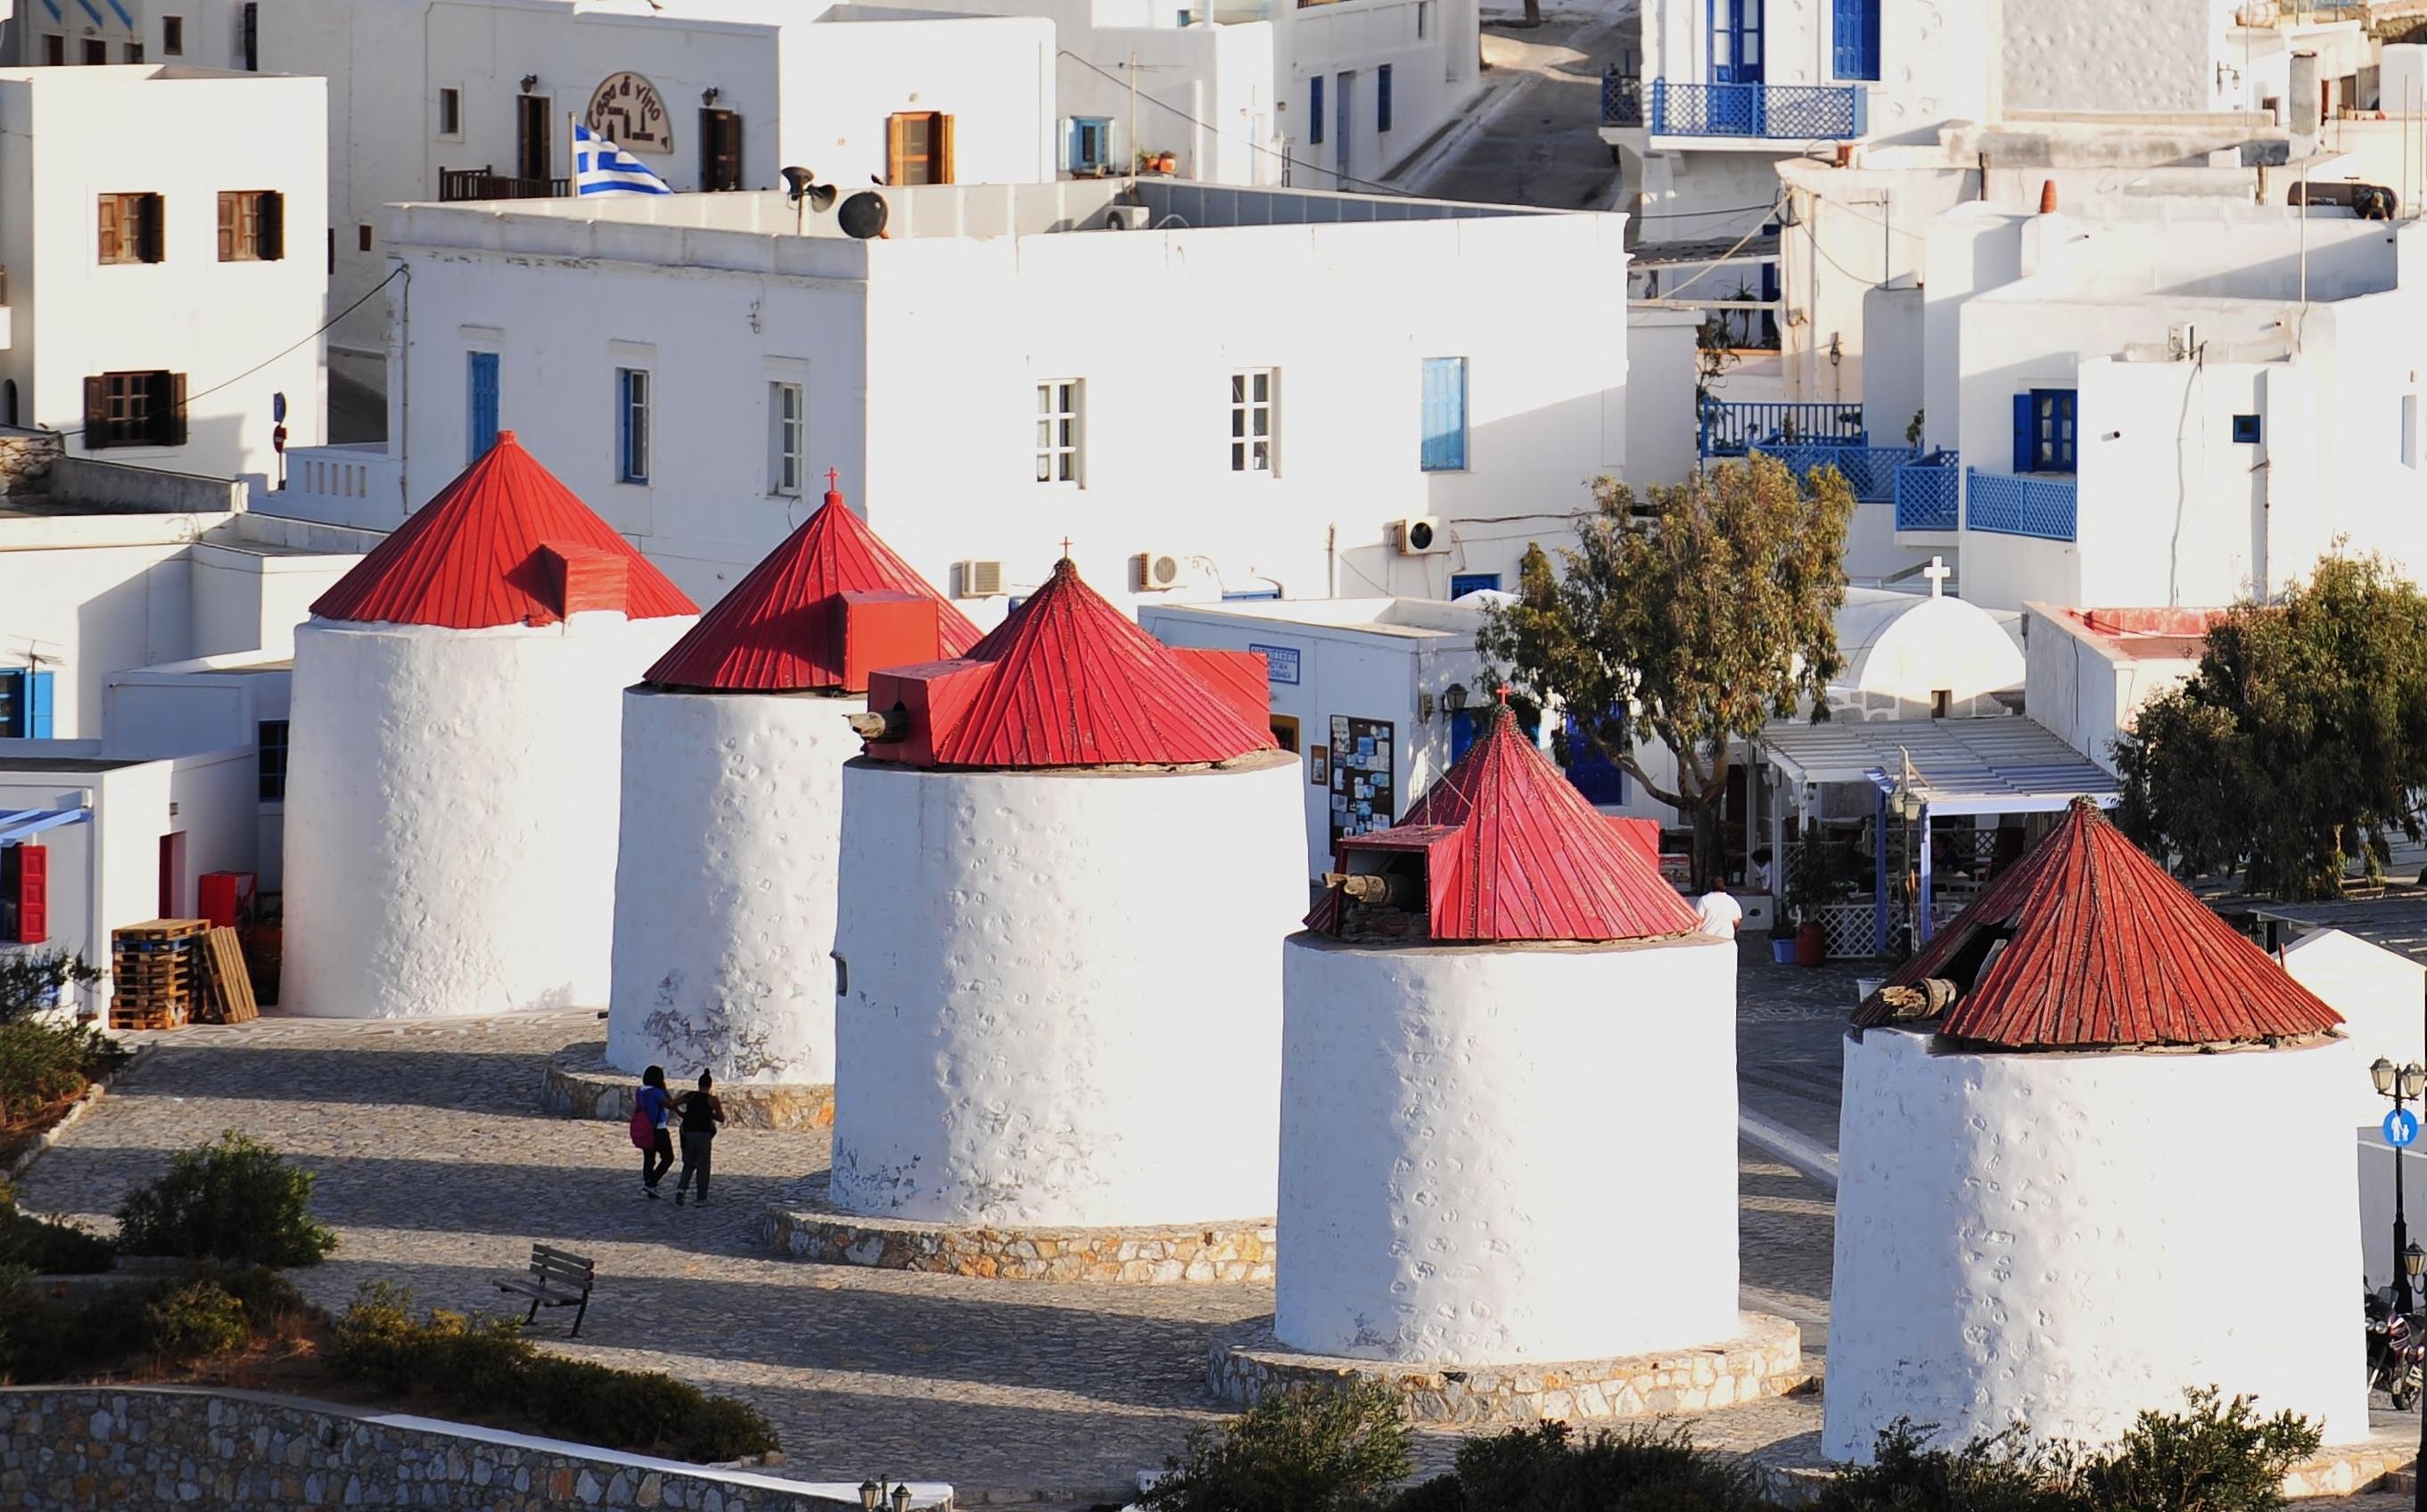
[(558, 1278)]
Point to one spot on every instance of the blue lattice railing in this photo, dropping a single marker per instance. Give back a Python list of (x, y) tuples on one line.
[(1731, 429), (1793, 112), (1871, 471), (2035, 505), (1926, 493), (1621, 99)]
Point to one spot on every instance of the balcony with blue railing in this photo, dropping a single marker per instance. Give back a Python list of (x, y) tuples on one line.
[(2032, 504), (1732, 430), (1870, 471), (1768, 112), (1928, 491)]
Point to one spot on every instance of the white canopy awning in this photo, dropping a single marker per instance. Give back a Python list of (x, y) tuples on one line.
[(2008, 765)]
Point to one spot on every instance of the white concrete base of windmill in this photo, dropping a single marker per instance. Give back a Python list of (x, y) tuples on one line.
[(1763, 1359), (805, 1226), (581, 1084)]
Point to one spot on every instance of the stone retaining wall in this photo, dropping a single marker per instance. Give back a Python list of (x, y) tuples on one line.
[(158, 1449), (805, 1226), (580, 1085)]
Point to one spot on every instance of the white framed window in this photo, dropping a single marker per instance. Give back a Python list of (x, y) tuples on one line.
[(1058, 433), (788, 429), (1424, 20), (450, 114), (1253, 391), (631, 425)]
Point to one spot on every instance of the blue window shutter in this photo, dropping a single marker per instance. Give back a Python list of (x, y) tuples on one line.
[(1463, 583), (1854, 53), (1314, 106), (1072, 157), (38, 705), (1444, 414), (1383, 98), (484, 402), (2022, 432), (1461, 732)]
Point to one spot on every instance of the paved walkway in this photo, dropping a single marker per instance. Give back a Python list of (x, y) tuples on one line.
[(1533, 136)]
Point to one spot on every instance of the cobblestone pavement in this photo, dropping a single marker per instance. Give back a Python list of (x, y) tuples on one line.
[(438, 1171), (1791, 1038)]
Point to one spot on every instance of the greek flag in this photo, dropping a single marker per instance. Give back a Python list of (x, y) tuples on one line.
[(600, 167)]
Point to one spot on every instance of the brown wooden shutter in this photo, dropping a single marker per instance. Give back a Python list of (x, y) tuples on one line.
[(171, 428), (96, 414), (273, 226), (112, 229), (230, 209), (728, 150), (940, 145), (893, 131), (150, 234)]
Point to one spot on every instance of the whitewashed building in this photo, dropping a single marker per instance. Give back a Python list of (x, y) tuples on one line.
[(163, 304), (1304, 393), (2019, 1239), (458, 708), (2087, 671)]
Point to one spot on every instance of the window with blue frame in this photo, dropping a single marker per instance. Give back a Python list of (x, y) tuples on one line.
[(1736, 42), (631, 425), (1856, 39), (25, 704), (1463, 583), (2046, 425), (1383, 98), (481, 402), (1314, 111), (1091, 144), (1445, 415)]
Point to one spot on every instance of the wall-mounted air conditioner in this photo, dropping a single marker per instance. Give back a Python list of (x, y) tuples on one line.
[(977, 579), (1155, 572), (1419, 535)]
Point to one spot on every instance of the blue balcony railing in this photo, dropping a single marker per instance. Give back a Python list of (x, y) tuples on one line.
[(1926, 493), (2042, 505), (1870, 471), (1731, 429), (1784, 112)]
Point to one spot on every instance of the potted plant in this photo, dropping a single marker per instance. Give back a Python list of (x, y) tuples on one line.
[(1813, 882), (1167, 162)]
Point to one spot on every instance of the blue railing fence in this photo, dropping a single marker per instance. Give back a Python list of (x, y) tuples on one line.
[(1870, 471), (1792, 112), (1928, 491), (2037, 505), (1731, 428)]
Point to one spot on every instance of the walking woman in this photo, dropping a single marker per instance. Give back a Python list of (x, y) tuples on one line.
[(651, 1106), (701, 1113)]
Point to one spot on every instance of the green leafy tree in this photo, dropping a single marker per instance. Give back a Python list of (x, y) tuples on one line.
[(32, 981), (1692, 618), (2298, 746)]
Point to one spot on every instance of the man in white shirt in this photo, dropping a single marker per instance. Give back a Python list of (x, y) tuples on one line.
[(1721, 914)]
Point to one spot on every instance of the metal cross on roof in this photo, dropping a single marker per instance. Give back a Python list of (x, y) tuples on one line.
[(834, 480)]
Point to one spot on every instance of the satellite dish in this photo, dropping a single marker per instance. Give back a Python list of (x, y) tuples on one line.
[(863, 215)]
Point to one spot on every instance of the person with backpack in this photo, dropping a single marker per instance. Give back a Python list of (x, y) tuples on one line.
[(701, 1113), (651, 1106)]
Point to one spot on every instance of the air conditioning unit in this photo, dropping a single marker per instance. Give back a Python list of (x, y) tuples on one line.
[(2182, 342), (1419, 535), (978, 580), (1127, 217), (1155, 572)]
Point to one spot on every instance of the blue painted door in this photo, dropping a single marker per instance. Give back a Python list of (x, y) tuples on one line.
[(483, 404), (1596, 776), (1854, 51), (1463, 583), (1735, 105)]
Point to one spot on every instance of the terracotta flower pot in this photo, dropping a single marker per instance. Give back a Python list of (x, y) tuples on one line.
[(1168, 163), (1811, 945)]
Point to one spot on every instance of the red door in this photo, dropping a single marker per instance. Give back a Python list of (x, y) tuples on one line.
[(172, 874)]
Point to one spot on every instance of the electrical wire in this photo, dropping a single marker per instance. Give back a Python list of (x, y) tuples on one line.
[(1226, 135), (1689, 215), (239, 378), (1741, 241)]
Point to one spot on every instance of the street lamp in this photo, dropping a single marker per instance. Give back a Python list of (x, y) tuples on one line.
[(901, 1496), (871, 1494), (2403, 1084)]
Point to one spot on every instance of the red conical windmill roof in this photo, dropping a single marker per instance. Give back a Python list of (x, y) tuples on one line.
[(494, 548), (1069, 680), (1513, 851), (779, 629), (2102, 949)]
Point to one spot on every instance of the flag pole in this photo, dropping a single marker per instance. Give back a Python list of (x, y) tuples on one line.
[(572, 164)]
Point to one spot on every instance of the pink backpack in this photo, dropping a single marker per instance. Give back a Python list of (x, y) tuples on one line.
[(645, 1130)]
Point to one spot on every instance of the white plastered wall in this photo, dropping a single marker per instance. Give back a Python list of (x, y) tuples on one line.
[(1062, 992), (725, 884), (2070, 1239), (453, 797), (1429, 1212)]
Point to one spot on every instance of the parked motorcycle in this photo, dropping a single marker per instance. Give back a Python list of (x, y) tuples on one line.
[(2397, 1353)]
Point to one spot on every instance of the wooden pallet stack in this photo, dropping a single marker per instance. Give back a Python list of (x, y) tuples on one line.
[(154, 972), (226, 996)]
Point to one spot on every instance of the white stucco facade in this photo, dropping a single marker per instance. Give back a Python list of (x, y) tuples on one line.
[(1060, 992), (2067, 1239), (452, 797), (1903, 652), (966, 310), (725, 884), (229, 334), (1431, 1213)]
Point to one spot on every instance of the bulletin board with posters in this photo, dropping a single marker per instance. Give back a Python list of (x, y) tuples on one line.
[(1363, 795)]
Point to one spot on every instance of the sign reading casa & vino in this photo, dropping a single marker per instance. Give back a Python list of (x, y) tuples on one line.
[(627, 111)]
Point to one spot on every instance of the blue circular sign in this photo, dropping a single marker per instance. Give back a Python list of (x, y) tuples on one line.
[(278, 408), (2401, 1127)]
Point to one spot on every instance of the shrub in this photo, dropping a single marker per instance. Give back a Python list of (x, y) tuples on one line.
[(198, 1321), (267, 1298), (1639, 1469), (44, 1064), (2005, 1473), (31, 980), (1302, 1451), (49, 1246), (2213, 1458), (233, 1200), (482, 1364)]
